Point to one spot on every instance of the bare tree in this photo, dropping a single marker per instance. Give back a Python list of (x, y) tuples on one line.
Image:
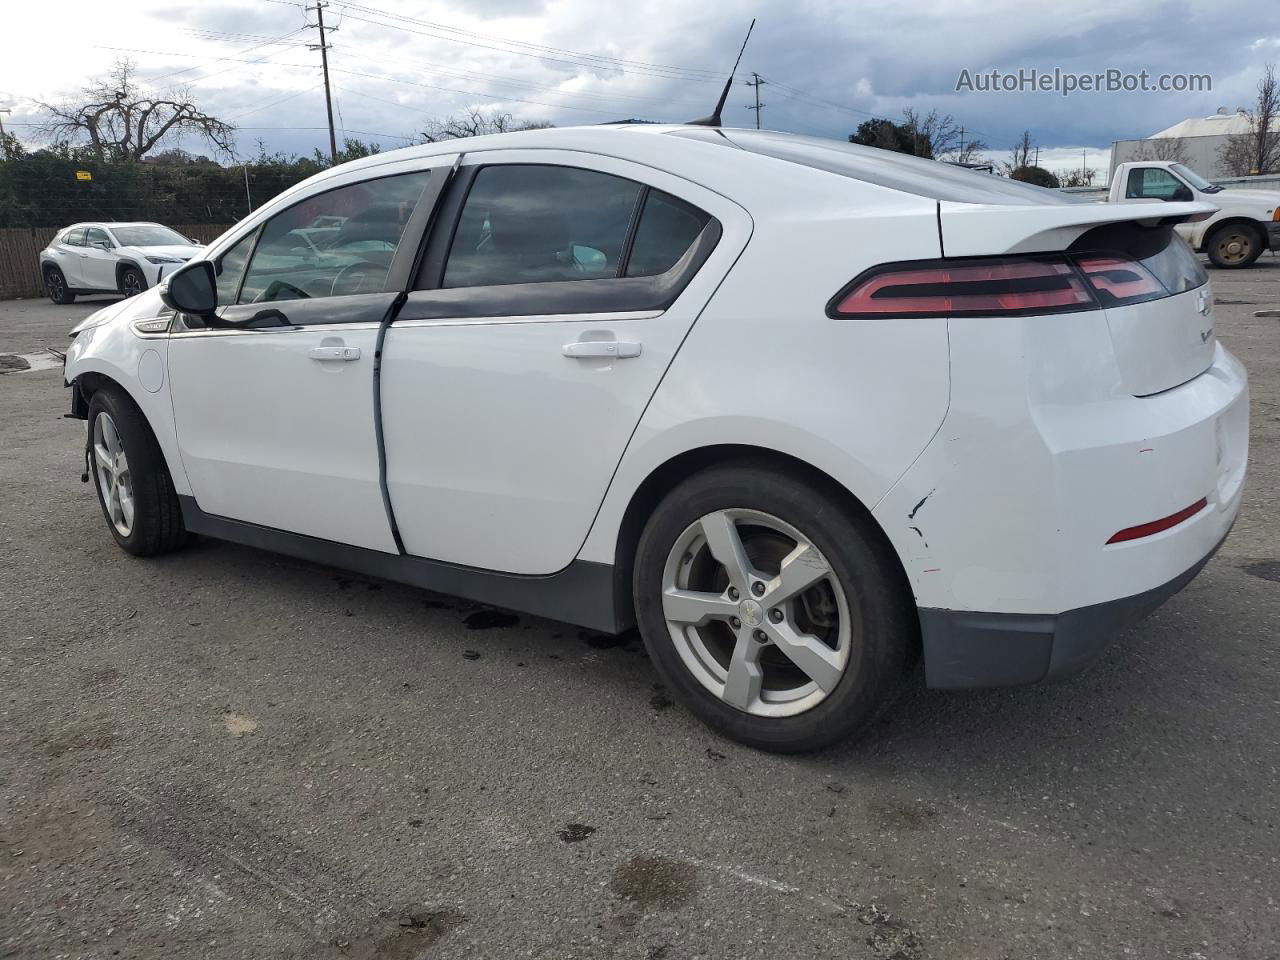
[(476, 123), (1258, 150), (1163, 148), (1083, 177), (122, 121), (1021, 154), (931, 135)]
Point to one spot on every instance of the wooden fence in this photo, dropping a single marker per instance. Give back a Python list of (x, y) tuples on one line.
[(20, 255)]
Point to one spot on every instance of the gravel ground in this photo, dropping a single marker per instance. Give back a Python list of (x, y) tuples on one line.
[(225, 753)]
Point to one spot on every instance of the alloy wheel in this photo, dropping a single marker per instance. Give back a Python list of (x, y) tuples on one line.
[(132, 284), (756, 613), (115, 483), (53, 281)]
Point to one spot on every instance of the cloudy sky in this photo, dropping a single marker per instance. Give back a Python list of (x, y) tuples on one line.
[(828, 65)]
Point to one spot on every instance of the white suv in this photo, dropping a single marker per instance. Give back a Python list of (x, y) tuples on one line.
[(111, 258), (805, 412)]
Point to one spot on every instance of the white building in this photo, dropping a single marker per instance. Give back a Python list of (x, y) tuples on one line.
[(1195, 141)]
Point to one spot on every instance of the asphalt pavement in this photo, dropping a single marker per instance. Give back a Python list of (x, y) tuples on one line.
[(225, 753)]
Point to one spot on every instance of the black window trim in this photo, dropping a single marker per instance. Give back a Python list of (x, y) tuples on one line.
[(429, 300)]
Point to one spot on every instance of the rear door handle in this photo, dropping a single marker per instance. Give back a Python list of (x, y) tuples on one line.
[(334, 353), (616, 349)]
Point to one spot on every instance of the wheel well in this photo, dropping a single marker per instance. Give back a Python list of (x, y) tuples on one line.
[(666, 477), (1235, 221), (124, 265), (45, 266)]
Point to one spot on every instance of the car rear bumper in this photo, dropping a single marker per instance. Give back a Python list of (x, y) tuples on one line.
[(964, 649), (1053, 507)]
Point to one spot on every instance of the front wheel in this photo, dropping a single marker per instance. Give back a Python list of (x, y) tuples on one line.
[(131, 477), (1233, 245), (771, 610), (132, 282)]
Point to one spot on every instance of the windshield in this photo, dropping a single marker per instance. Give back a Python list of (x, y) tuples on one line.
[(1193, 178), (149, 235)]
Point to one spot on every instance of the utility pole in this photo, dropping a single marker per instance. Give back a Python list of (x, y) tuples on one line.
[(323, 47), (756, 82), (960, 156)]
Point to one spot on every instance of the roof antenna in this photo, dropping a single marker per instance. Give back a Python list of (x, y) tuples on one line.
[(714, 119)]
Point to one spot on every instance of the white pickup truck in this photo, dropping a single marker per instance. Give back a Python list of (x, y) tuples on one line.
[(1247, 221)]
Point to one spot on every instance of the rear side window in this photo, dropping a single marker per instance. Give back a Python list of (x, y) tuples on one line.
[(525, 223), (668, 227), (332, 244)]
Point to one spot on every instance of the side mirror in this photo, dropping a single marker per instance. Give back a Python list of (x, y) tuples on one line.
[(192, 289), (102, 244), (1182, 193)]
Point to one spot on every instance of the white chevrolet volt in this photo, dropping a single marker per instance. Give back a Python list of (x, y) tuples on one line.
[(805, 412)]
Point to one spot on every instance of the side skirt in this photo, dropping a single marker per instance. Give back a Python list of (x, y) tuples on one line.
[(582, 593)]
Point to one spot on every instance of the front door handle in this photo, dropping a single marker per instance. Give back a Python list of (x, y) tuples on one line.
[(612, 349), (334, 353)]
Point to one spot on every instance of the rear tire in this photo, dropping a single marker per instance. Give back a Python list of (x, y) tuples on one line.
[(135, 490), (1233, 246), (786, 671), (55, 285)]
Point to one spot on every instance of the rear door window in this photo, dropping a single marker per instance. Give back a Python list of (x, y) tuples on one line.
[(74, 237), (526, 223)]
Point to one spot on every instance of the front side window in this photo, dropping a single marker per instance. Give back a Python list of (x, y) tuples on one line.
[(538, 224), (1151, 183), (333, 244), (229, 269)]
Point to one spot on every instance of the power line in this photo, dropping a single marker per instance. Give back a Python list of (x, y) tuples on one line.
[(709, 76), (638, 71)]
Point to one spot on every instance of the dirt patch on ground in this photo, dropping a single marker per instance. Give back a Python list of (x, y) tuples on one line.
[(655, 883)]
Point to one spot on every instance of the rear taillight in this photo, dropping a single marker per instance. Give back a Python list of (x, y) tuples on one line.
[(997, 286), (1119, 280), (980, 287)]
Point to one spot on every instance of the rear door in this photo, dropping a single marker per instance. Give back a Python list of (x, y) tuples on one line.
[(69, 255), (556, 290), (275, 416)]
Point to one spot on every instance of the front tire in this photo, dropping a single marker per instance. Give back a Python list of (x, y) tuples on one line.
[(55, 284), (132, 282), (131, 477), (1233, 245), (771, 611)]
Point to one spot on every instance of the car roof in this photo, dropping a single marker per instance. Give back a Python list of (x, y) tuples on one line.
[(669, 145)]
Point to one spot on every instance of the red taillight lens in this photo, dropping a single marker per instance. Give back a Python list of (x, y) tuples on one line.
[(986, 287), (1158, 526), (1119, 280)]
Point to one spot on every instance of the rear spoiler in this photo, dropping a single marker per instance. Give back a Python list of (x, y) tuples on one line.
[(986, 229)]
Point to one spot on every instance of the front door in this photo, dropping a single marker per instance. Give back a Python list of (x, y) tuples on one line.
[(556, 289), (275, 413), (98, 261)]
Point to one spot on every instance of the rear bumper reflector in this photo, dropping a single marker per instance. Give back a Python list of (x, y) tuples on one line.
[(1156, 526)]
